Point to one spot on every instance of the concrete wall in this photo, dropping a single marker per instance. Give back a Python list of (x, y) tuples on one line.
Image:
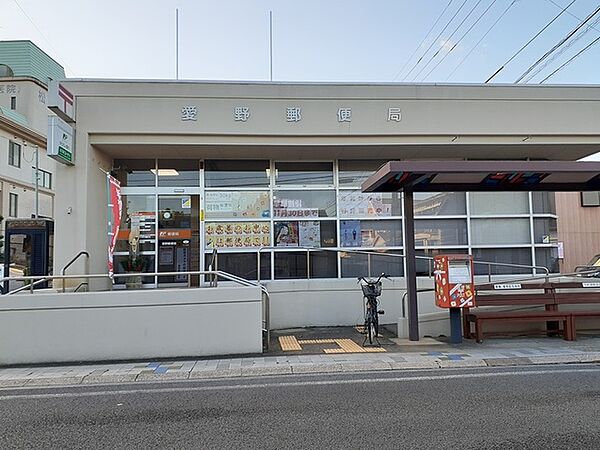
[(46, 328)]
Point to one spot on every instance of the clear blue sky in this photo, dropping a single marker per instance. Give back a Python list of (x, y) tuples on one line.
[(314, 40)]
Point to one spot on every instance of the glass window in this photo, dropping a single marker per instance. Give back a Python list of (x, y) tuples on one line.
[(243, 264), (425, 266), (13, 103), (371, 233), (492, 203), (543, 202), (13, 205), (306, 233), (352, 173), (139, 213), (520, 256), (547, 257), (224, 235), (135, 172), (121, 263), (290, 265), (544, 230), (500, 231), (358, 264), (433, 232), (591, 198), (237, 204), (14, 154), (323, 264), (303, 204), (303, 173), (439, 203), (236, 173), (178, 172), (369, 204)]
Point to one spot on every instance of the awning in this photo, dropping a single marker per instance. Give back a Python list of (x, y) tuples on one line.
[(449, 176)]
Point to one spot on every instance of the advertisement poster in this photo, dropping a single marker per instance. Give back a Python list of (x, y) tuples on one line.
[(293, 208), (237, 204), (309, 234), (350, 233), (286, 234), (359, 204), (237, 234)]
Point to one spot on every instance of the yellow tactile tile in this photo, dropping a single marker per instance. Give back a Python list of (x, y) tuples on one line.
[(316, 341), (334, 350), (349, 346), (289, 343)]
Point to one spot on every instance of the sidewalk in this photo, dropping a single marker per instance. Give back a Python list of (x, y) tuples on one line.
[(428, 354)]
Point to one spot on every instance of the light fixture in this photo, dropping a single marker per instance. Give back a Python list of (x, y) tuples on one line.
[(165, 172)]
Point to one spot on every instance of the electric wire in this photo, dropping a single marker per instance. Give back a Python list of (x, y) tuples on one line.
[(558, 45), (435, 40), (461, 38), (423, 41), (529, 42), (560, 51), (570, 13), (482, 38), (569, 61), (448, 39)]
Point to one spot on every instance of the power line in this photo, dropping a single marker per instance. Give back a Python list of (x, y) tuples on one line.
[(448, 39), (566, 47), (40, 31), (423, 41), (461, 38), (529, 42), (482, 38), (570, 13), (557, 45), (435, 40), (587, 47)]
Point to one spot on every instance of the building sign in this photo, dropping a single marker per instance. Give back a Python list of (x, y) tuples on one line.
[(61, 101), (61, 142)]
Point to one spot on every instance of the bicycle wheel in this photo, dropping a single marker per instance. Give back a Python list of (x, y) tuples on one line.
[(371, 329)]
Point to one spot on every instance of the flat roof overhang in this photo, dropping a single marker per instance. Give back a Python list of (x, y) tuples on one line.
[(452, 176)]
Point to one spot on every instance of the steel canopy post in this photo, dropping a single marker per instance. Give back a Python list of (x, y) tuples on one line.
[(411, 266)]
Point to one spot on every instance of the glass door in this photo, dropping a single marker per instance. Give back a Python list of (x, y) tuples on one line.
[(178, 239)]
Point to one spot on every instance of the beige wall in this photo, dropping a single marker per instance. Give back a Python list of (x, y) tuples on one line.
[(143, 119), (578, 229)]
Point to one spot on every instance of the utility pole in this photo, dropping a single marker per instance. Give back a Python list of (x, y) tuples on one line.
[(37, 182)]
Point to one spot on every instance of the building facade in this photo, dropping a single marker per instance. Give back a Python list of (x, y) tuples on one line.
[(261, 172), (25, 72)]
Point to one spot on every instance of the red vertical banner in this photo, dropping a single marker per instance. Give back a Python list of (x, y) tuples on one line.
[(115, 207)]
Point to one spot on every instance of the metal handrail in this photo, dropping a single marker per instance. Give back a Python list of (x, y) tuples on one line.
[(70, 263), (369, 253), (26, 286)]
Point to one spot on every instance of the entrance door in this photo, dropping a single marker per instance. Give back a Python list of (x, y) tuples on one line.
[(178, 238)]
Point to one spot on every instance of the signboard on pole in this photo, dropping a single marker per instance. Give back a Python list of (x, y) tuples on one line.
[(61, 141)]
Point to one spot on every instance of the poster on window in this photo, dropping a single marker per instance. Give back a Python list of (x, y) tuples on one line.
[(237, 204), (350, 233), (358, 204), (237, 234), (286, 234), (293, 208), (309, 233), (115, 208)]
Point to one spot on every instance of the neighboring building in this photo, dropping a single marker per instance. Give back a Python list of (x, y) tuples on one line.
[(25, 72)]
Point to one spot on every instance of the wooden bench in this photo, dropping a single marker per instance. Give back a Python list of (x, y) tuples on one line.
[(552, 295), (537, 294)]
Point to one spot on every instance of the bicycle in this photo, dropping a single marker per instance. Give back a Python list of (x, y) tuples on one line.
[(371, 291)]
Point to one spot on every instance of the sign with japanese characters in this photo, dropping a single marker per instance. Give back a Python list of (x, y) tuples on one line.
[(237, 234), (61, 101), (237, 204), (60, 141)]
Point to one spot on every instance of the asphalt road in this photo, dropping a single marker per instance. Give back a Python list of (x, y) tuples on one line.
[(516, 408)]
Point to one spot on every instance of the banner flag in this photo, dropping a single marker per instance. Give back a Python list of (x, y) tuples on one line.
[(115, 208)]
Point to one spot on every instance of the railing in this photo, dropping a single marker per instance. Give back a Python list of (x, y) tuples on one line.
[(371, 253), (266, 298), (70, 263)]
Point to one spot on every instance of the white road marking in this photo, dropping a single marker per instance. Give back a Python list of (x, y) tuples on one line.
[(460, 376)]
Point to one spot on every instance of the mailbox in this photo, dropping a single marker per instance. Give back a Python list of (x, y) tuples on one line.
[(454, 285)]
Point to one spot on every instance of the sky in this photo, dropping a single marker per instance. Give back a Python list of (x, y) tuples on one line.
[(313, 40)]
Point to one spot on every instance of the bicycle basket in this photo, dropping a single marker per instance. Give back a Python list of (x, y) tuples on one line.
[(371, 290)]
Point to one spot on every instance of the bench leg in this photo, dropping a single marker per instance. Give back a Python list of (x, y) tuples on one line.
[(552, 328), (573, 329), (478, 331)]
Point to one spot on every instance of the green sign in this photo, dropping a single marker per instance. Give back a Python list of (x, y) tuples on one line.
[(65, 154)]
